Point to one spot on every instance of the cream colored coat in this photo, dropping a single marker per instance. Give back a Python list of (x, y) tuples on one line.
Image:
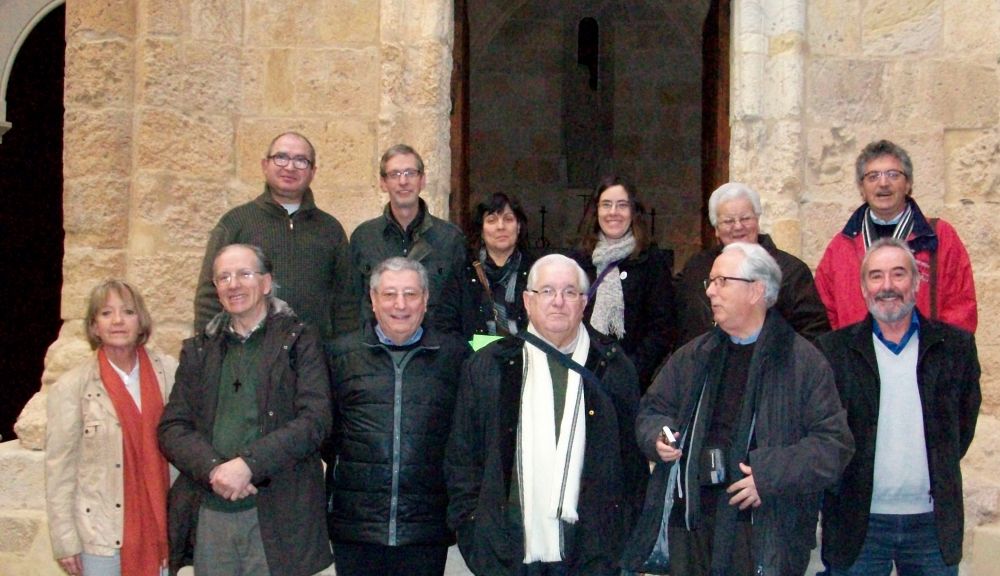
[(84, 480)]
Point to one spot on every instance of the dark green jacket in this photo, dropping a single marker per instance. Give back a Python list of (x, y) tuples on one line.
[(309, 254)]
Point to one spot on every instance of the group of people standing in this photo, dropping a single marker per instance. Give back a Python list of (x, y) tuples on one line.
[(623, 420)]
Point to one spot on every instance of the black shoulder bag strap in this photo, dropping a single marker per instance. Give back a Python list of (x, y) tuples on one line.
[(934, 272), (600, 277), (563, 359)]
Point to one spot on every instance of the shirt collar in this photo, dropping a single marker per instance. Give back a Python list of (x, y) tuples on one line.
[(748, 340), (892, 346), (388, 341)]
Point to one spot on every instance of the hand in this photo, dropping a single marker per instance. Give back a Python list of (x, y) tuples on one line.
[(744, 491), (666, 452), (71, 565), (231, 480)]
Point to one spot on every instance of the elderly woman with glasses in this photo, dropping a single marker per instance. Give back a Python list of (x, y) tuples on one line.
[(631, 297), (734, 210), (105, 479), (497, 272)]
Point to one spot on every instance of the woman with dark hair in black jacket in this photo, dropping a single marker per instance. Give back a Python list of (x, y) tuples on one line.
[(631, 296), (497, 271)]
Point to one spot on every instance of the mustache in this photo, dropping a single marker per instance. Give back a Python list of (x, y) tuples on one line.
[(888, 295)]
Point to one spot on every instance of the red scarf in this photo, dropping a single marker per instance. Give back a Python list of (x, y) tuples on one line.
[(144, 547)]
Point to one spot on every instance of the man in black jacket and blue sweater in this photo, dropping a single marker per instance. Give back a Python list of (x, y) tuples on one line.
[(394, 387), (911, 389)]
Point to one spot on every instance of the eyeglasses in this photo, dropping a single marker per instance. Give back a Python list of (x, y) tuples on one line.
[(409, 296), (608, 205), (226, 278), (743, 220), (548, 293), (281, 160), (398, 174), (876, 175), (720, 281)]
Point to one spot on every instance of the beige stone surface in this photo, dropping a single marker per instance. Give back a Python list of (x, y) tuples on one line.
[(99, 73), (952, 94), (897, 28), (107, 18), (845, 91), (97, 142), (96, 211), (83, 267), (973, 174), (217, 21), (970, 29), (833, 27), (193, 144), (335, 81), (30, 425)]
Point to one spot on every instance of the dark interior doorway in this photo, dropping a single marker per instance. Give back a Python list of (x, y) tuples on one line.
[(520, 89), (31, 230)]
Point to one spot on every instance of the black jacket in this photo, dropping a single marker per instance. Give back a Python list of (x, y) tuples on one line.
[(385, 476), (476, 306), (293, 407), (481, 458), (650, 309), (798, 300), (801, 439), (948, 378), (435, 243)]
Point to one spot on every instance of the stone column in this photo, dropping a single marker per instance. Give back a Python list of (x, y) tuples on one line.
[(768, 88)]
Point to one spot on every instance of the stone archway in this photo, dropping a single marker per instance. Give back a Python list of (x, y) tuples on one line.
[(31, 214), (17, 19)]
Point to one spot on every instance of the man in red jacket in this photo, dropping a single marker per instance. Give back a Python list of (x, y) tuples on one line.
[(885, 180)]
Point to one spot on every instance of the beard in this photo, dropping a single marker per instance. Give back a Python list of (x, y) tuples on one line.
[(891, 315)]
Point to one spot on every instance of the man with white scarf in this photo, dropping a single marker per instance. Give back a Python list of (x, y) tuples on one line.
[(544, 476)]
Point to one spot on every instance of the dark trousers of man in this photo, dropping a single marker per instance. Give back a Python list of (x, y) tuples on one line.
[(909, 541), (358, 559), (691, 551)]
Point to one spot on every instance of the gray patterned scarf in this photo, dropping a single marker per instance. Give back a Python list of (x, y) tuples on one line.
[(608, 316)]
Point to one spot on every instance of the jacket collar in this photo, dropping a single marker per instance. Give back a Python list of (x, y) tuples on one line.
[(276, 308), (420, 225), (922, 237), (267, 202)]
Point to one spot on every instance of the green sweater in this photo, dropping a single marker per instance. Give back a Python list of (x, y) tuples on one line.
[(309, 255)]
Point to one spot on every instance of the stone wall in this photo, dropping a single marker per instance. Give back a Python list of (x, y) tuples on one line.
[(813, 82), (170, 105)]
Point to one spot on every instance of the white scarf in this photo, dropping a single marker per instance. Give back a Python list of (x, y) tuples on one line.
[(608, 316), (549, 472)]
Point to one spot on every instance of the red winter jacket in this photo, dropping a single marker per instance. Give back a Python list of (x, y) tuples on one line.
[(838, 277)]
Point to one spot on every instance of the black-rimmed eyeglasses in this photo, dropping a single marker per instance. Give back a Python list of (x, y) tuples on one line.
[(282, 160)]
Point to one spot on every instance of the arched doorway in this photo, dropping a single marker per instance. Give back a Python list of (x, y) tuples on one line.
[(550, 95), (31, 230)]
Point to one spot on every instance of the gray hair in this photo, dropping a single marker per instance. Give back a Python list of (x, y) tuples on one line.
[(583, 283), (731, 191), (760, 266), (263, 262), (883, 148), (398, 264), (890, 242)]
